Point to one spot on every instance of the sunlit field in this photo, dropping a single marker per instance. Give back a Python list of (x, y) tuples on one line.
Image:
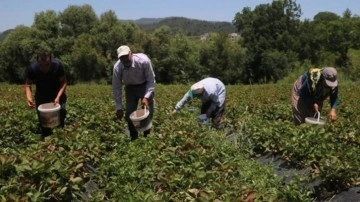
[(92, 158)]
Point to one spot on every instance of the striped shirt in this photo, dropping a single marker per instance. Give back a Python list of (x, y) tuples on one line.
[(139, 72)]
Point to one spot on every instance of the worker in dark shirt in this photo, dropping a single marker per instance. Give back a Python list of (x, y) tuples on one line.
[(310, 90), (49, 77)]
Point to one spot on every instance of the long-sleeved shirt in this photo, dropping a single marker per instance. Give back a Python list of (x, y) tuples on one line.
[(214, 91), (139, 72), (321, 92)]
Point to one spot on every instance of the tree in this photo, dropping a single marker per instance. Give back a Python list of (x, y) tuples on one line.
[(275, 64), (76, 20), (158, 46), (181, 62), (48, 24), (332, 37), (325, 17), (87, 62), (222, 58), (16, 52), (269, 27), (110, 34)]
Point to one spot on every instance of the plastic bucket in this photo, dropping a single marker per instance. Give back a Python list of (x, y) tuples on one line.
[(314, 120), (141, 119), (49, 115)]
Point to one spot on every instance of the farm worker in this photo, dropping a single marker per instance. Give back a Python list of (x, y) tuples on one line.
[(211, 92), (135, 72), (310, 90), (49, 77)]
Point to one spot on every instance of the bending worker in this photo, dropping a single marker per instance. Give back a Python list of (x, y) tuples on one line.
[(309, 92), (211, 92)]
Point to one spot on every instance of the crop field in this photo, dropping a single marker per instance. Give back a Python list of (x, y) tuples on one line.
[(92, 159)]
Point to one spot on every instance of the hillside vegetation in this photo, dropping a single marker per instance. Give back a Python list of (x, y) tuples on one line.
[(270, 45), (189, 27)]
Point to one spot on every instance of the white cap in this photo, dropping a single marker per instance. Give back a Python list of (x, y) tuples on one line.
[(123, 50), (197, 88)]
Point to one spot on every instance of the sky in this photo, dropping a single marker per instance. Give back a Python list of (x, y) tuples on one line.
[(22, 12)]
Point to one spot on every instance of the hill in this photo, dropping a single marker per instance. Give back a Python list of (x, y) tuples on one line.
[(145, 21), (4, 34), (190, 27)]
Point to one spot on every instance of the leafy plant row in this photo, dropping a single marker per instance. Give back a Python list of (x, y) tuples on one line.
[(92, 158)]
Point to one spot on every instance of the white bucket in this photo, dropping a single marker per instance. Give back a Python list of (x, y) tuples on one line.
[(49, 115), (141, 119), (314, 120)]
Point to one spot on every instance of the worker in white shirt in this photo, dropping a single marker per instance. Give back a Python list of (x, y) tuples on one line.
[(135, 72), (211, 92)]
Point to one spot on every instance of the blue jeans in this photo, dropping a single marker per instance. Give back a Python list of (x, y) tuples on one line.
[(216, 116)]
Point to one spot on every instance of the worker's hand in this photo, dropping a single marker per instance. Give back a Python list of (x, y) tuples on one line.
[(332, 115), (145, 102), (31, 103), (119, 114), (316, 107), (172, 112), (56, 101)]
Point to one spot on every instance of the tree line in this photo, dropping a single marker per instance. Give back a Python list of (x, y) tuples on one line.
[(274, 43)]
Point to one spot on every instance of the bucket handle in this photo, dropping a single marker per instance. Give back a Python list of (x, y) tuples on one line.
[(318, 117), (144, 107)]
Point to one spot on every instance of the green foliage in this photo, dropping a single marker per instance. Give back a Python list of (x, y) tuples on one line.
[(334, 38), (17, 50), (272, 44), (48, 23), (354, 70), (324, 17), (266, 29), (4, 34), (76, 20), (180, 161), (92, 159), (86, 59), (175, 58), (188, 27), (222, 58), (109, 33)]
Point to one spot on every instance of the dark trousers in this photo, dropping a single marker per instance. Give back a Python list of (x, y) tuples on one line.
[(47, 131), (216, 116), (303, 108), (134, 94)]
